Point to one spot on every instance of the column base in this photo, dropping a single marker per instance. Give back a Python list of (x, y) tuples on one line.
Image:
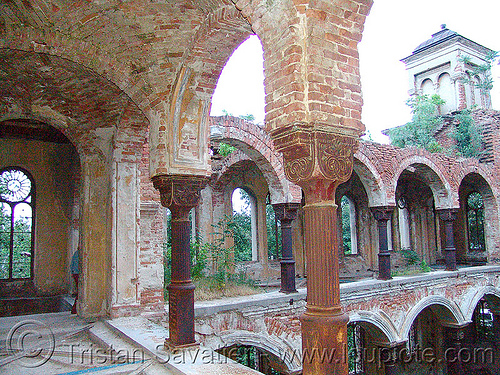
[(324, 341), (384, 266), (450, 259), (288, 276), (181, 314)]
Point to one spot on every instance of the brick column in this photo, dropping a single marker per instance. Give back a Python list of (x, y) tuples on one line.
[(319, 160), (382, 215), (286, 213), (180, 194), (449, 216)]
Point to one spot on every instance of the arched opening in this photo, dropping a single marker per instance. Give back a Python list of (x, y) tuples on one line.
[(480, 339), (417, 243), (273, 232), (356, 242), (256, 358), (446, 93), (475, 222), (427, 87), (245, 226), (39, 218), (475, 234), (17, 210), (240, 88), (349, 230)]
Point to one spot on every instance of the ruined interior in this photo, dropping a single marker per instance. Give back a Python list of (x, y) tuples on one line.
[(104, 118)]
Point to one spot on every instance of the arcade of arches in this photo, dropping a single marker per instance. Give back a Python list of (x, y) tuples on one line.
[(104, 124)]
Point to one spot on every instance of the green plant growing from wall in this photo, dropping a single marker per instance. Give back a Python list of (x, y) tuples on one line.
[(225, 149), (419, 132), (467, 136), (479, 76)]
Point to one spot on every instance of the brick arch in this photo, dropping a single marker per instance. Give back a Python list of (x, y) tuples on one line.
[(252, 140), (472, 298), (433, 177), (84, 99), (483, 187), (371, 179), (378, 325), (446, 311), (81, 52)]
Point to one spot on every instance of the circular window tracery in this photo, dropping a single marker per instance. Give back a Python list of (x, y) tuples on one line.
[(15, 185)]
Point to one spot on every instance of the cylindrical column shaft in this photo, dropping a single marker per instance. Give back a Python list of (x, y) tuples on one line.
[(382, 215), (181, 288), (324, 325), (286, 213), (449, 216)]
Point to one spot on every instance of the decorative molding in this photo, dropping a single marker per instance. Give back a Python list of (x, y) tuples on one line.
[(382, 213), (179, 190), (286, 211), (310, 153), (448, 214)]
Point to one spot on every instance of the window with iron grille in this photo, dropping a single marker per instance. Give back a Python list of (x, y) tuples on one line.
[(475, 222)]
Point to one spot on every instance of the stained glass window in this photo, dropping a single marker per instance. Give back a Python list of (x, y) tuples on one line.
[(16, 224)]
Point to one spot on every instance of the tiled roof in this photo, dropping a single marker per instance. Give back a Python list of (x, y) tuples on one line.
[(439, 37)]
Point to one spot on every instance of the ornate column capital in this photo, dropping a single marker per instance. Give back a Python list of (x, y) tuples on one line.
[(286, 211), (382, 213), (448, 214), (179, 192), (312, 152)]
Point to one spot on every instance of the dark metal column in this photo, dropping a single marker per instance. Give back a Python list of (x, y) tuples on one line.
[(180, 194), (286, 213), (382, 215), (449, 216)]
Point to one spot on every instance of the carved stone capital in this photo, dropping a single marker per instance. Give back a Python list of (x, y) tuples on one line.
[(312, 153), (448, 214), (286, 211), (382, 213), (179, 192)]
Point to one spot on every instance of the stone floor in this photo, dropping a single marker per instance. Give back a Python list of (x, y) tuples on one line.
[(64, 344)]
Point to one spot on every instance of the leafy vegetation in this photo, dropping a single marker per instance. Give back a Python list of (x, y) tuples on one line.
[(225, 149), (346, 225), (419, 132), (482, 71)]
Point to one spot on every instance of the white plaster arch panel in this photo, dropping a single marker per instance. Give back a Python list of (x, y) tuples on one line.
[(385, 331), (471, 299), (278, 347), (448, 312)]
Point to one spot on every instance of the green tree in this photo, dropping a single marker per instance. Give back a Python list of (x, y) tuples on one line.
[(241, 227), (346, 224), (419, 132), (273, 233)]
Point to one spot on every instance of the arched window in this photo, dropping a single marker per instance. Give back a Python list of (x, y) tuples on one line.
[(349, 236), (17, 201), (475, 222), (427, 87)]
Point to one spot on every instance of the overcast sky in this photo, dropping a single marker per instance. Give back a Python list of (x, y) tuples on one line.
[(393, 30)]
